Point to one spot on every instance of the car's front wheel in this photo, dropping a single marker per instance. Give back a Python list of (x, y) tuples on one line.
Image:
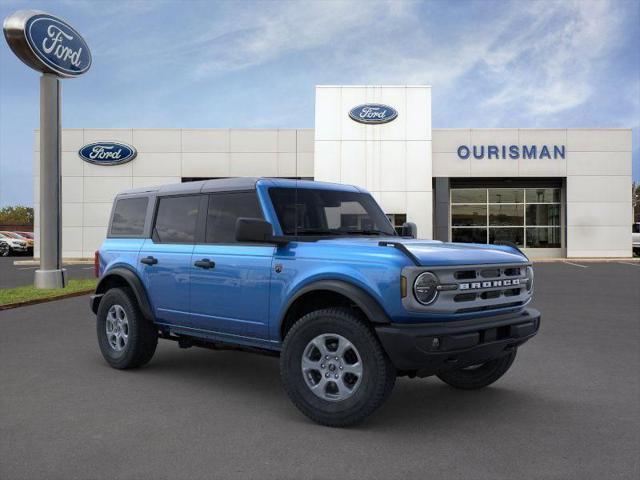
[(126, 338), (479, 376), (334, 369)]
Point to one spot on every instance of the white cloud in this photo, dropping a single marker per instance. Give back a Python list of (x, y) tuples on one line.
[(538, 57), (549, 66)]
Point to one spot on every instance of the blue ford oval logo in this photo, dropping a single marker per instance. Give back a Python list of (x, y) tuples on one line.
[(373, 113), (107, 153), (58, 45)]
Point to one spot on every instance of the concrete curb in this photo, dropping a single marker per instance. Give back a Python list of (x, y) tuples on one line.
[(70, 261), (62, 296)]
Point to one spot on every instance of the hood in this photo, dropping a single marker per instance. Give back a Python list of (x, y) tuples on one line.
[(436, 253)]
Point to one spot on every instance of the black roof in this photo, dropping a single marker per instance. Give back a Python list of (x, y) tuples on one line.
[(202, 186)]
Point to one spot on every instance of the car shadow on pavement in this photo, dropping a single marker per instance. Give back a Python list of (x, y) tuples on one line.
[(414, 403)]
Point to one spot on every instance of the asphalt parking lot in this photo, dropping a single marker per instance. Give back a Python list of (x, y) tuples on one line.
[(20, 275), (569, 407)]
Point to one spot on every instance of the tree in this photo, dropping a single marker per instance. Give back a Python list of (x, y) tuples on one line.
[(16, 215)]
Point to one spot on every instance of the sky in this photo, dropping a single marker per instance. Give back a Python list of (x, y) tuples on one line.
[(245, 64)]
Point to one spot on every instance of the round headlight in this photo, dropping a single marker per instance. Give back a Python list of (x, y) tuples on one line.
[(425, 288), (529, 279)]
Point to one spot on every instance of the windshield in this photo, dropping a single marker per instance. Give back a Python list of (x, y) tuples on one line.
[(305, 211)]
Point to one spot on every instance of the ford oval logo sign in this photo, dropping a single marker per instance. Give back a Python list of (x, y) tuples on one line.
[(373, 113), (107, 153), (47, 43)]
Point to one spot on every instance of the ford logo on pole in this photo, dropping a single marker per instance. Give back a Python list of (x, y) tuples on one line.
[(373, 113), (107, 153), (47, 43)]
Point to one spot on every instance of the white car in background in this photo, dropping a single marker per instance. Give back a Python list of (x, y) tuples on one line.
[(636, 238), (15, 244)]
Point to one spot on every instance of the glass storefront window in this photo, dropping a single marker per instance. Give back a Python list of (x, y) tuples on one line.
[(543, 214), (469, 195), (528, 217), (469, 235), (506, 215), (468, 215), (544, 237), (543, 195), (506, 195), (514, 235)]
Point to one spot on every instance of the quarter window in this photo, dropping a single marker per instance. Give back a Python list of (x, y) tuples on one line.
[(176, 219), (128, 217), (223, 212)]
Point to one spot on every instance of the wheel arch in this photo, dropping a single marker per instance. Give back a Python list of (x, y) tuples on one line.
[(326, 293), (123, 277)]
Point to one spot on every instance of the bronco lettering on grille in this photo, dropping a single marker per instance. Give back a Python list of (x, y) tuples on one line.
[(489, 284)]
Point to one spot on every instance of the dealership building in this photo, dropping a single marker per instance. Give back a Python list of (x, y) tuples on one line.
[(554, 192)]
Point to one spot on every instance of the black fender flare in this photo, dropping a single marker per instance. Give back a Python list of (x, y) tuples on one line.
[(134, 283), (363, 300)]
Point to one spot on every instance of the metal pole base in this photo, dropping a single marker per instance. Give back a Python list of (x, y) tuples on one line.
[(50, 278)]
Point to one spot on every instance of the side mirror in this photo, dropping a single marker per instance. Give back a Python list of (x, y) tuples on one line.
[(256, 230), (409, 229)]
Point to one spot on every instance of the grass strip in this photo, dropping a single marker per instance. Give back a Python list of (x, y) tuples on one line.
[(9, 296)]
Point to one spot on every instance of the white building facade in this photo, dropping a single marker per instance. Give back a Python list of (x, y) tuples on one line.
[(553, 192)]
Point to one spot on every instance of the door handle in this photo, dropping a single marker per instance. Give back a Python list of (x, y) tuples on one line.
[(149, 260), (205, 263)]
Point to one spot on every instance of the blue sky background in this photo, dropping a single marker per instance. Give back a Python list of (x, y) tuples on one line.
[(255, 64)]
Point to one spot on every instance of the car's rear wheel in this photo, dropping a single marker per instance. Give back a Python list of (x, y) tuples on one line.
[(334, 369), (126, 338), (479, 376), (4, 250)]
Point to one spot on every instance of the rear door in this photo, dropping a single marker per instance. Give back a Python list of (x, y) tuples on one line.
[(230, 281), (165, 258)]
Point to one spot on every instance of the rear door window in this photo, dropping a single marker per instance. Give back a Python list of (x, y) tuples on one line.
[(224, 209), (128, 217), (176, 219)]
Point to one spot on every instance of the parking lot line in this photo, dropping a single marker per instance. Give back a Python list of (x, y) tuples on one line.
[(576, 264), (632, 264)]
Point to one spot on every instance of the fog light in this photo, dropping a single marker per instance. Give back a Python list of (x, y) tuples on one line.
[(435, 343)]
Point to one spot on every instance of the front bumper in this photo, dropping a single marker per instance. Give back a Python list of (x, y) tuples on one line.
[(431, 348)]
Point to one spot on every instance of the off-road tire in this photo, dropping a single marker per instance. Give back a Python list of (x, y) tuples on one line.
[(378, 377), (142, 334), (481, 376)]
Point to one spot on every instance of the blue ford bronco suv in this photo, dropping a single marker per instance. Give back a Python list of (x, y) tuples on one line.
[(315, 273)]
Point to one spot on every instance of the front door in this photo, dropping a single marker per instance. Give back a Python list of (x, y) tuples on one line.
[(230, 281), (165, 259)]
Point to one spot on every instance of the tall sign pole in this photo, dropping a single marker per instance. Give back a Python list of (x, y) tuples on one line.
[(51, 274), (49, 45)]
